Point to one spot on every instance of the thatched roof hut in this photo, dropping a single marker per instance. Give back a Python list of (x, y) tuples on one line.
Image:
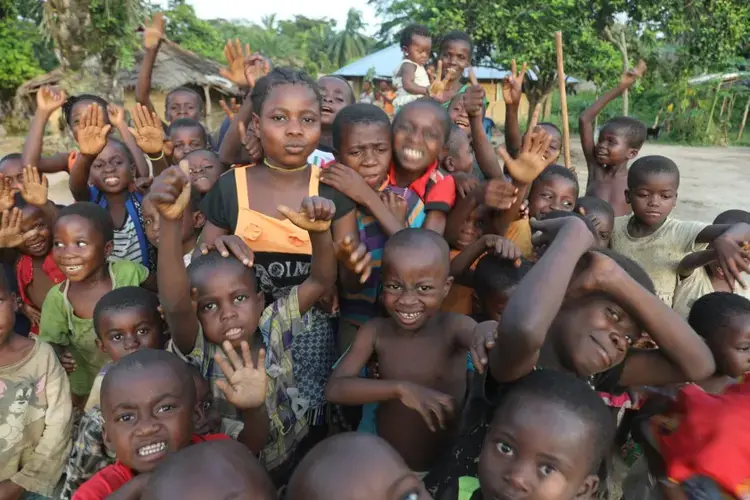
[(175, 67)]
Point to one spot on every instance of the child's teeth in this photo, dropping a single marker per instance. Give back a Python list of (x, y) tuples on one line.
[(413, 153), (73, 268), (152, 448)]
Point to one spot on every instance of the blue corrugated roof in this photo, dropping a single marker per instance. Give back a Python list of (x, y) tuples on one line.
[(386, 61)]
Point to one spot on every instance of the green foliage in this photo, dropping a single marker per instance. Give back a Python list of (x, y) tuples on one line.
[(18, 61), (350, 44), (194, 34)]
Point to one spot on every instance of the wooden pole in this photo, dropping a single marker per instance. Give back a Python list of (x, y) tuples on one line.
[(713, 107), (744, 120), (207, 94), (563, 98)]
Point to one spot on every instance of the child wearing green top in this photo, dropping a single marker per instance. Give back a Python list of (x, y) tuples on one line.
[(82, 240)]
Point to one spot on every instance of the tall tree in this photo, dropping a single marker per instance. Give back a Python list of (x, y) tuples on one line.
[(93, 39), (194, 34), (350, 43)]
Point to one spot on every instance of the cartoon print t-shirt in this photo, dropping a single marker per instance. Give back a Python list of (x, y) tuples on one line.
[(35, 420)]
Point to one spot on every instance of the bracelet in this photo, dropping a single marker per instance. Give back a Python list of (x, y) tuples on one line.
[(158, 157)]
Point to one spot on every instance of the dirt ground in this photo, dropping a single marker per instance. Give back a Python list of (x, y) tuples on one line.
[(713, 179)]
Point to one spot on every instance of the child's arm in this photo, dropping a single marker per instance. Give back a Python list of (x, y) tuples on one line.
[(48, 100), (483, 152), (149, 137), (92, 137), (315, 216), (346, 387), (408, 71), (35, 191), (171, 195), (117, 118), (246, 389), (586, 120), (536, 301), (502, 247), (350, 183), (43, 464), (731, 246), (132, 490), (231, 151), (152, 37), (682, 355), (695, 261), (512, 93)]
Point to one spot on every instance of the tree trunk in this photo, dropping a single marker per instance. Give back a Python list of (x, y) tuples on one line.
[(547, 107), (744, 120)]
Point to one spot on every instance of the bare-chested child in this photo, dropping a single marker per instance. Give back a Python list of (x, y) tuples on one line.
[(421, 352), (620, 140)]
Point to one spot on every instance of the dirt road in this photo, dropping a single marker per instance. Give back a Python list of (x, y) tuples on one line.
[(713, 179)]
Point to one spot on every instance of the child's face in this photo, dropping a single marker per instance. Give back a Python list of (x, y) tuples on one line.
[(37, 244), (471, 229), (209, 421), (13, 169), (537, 450), (192, 222), (461, 156), (595, 333), (112, 171), (458, 114), (654, 199), (228, 306), (494, 303), (419, 49), (415, 283), (182, 104), (604, 225), (336, 95), (289, 125), (205, 169), (612, 148), (128, 330), (733, 353), (78, 249), (418, 139), (79, 108), (8, 307), (366, 148), (147, 415), (456, 55), (554, 193), (186, 140), (555, 145)]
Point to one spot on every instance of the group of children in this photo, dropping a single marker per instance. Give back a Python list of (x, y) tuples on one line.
[(321, 269)]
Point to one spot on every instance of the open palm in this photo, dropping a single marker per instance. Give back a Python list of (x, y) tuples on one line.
[(35, 188), (246, 383), (92, 136), (148, 132), (10, 228), (531, 161)]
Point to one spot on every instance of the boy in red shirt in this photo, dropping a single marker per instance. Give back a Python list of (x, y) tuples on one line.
[(149, 405)]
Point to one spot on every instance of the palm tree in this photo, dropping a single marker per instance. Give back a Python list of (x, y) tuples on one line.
[(350, 44)]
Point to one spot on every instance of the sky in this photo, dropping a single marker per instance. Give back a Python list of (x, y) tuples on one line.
[(254, 10)]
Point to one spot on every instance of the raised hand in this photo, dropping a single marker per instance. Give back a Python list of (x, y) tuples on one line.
[(230, 109), (170, 191), (154, 32), (246, 382), (231, 244), (438, 86), (11, 235), (513, 84), (35, 188), (92, 134), (356, 258), (235, 56), (256, 67), (49, 99), (499, 194), (633, 74), (503, 248), (7, 193), (148, 132), (251, 143), (428, 402), (116, 115), (315, 214), (474, 96), (545, 231), (598, 269), (531, 160)]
